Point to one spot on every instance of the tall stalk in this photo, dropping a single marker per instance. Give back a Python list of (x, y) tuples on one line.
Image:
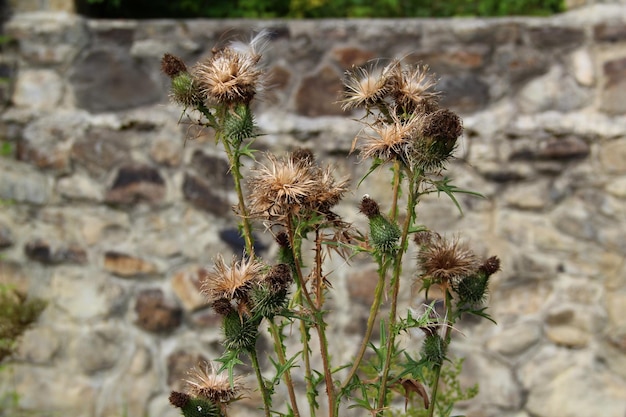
[(261, 382), (395, 282)]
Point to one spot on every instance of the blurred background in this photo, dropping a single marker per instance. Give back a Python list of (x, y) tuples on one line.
[(111, 204)]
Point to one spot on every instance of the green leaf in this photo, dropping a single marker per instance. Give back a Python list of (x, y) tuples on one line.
[(229, 360), (444, 186), (377, 162)]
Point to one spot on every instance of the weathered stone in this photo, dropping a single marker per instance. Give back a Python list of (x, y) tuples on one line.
[(200, 194), (167, 151), (48, 38), (515, 339), (614, 89), (39, 89), (19, 182), (464, 93), (566, 148), (13, 274), (612, 156), (583, 67), (97, 350), (549, 37), (84, 295), (497, 384), (578, 391), (80, 187), (42, 251), (107, 80), (54, 390), (186, 285), (206, 319), (127, 266), (617, 187), (101, 149), (348, 57), (362, 285), (134, 184), (278, 78), (103, 226), (155, 314), (521, 299), (178, 365), (234, 240), (553, 90), (318, 94), (531, 196), (213, 169), (609, 32), (521, 63), (47, 141), (39, 345), (6, 236)]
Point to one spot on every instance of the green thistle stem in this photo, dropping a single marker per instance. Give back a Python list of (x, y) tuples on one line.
[(261, 382), (378, 296), (395, 282), (234, 158), (280, 352), (446, 339)]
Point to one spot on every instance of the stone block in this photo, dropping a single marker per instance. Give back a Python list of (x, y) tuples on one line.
[(155, 313), (127, 266), (318, 94), (134, 184), (38, 89), (614, 88)]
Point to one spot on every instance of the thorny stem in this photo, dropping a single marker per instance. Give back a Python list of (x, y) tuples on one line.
[(235, 164), (280, 352), (397, 270), (396, 190), (446, 339), (259, 377), (320, 325), (319, 294), (378, 295)]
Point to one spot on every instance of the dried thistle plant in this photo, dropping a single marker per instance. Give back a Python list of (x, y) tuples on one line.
[(293, 197)]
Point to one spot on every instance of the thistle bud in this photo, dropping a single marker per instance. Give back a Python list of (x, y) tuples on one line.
[(434, 349), (267, 302), (200, 407), (472, 289), (437, 139), (490, 266), (171, 65), (239, 123), (384, 233), (222, 306), (184, 90), (240, 332), (179, 399)]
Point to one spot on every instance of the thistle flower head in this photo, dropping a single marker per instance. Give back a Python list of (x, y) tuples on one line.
[(365, 87), (233, 74), (205, 382), (437, 138), (446, 261), (413, 89), (279, 187), (231, 281), (293, 185), (390, 141)]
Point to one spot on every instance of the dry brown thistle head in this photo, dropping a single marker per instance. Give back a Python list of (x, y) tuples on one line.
[(205, 382), (231, 281), (413, 89), (233, 74), (171, 65), (367, 87), (390, 141), (446, 261)]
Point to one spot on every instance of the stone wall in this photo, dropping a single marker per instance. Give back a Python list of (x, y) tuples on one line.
[(111, 206)]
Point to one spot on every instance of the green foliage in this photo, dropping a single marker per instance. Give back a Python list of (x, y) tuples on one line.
[(316, 8), (16, 314)]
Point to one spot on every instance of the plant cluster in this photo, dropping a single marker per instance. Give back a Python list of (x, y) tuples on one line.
[(293, 197), (17, 313), (315, 8)]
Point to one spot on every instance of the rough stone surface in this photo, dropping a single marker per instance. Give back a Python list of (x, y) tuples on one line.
[(111, 207), (155, 314)]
